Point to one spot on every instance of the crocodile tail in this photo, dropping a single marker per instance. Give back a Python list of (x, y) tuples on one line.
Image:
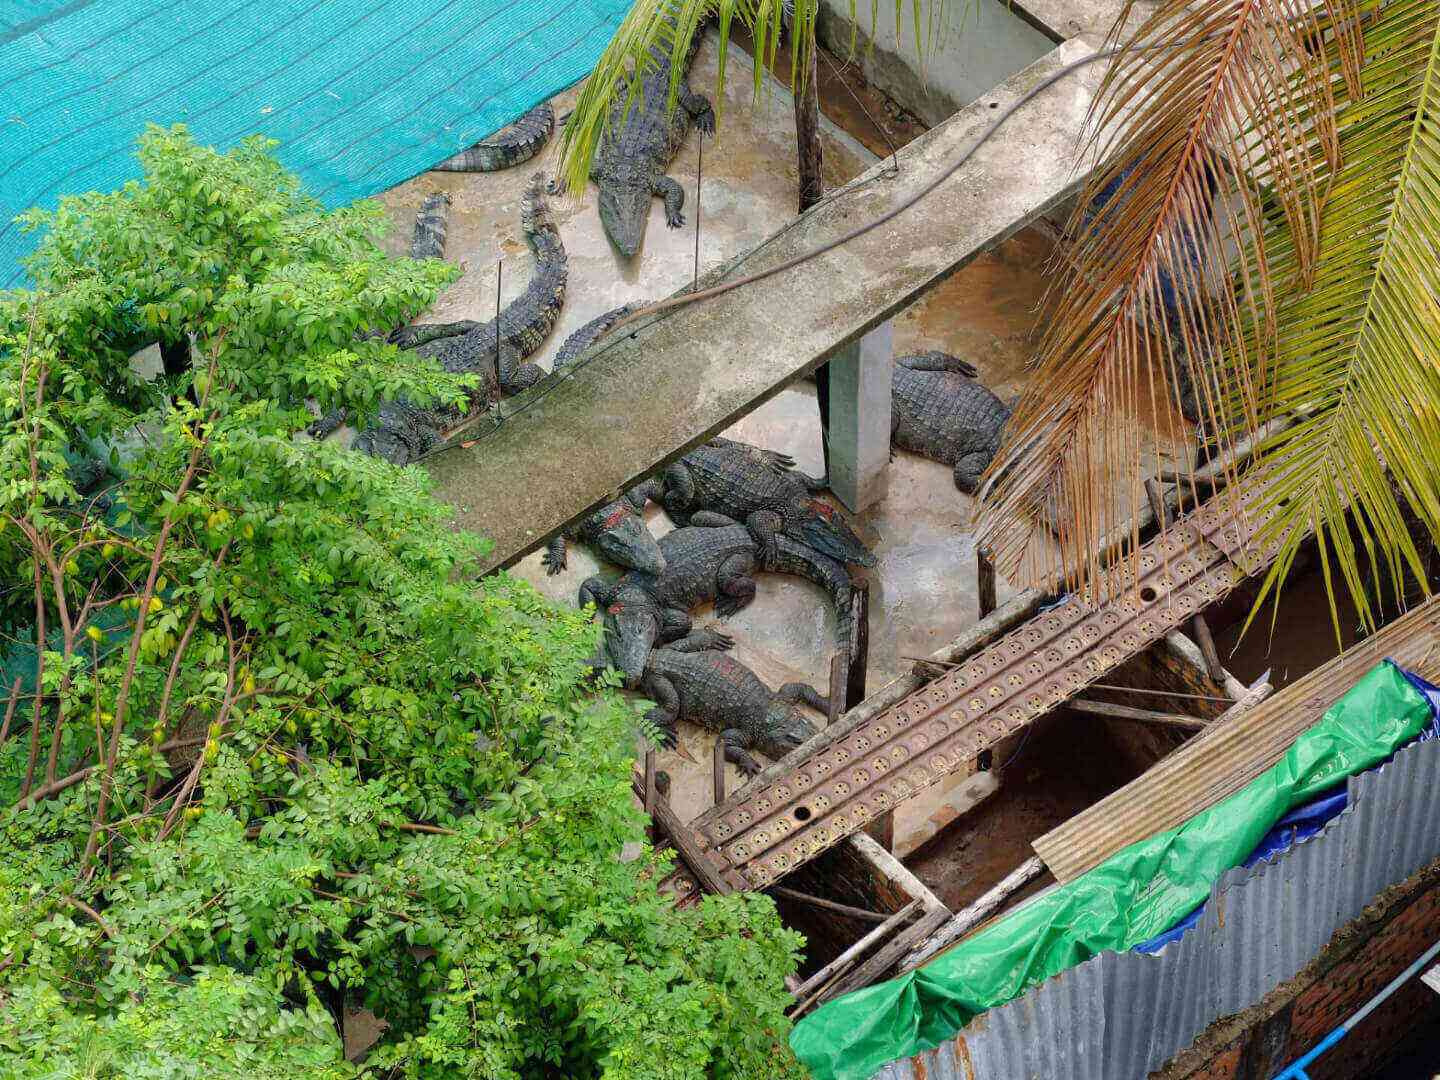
[(528, 320), (588, 334), (509, 146), (431, 224), (802, 560)]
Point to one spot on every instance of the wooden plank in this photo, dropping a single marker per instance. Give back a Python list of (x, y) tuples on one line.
[(963, 922), (1234, 750), (1112, 711)]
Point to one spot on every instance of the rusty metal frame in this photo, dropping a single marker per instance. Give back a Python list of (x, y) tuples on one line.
[(864, 770)]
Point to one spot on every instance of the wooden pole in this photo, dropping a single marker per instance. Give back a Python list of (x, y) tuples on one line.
[(1144, 716), (838, 663), (807, 131), (684, 840), (828, 905), (859, 644), (650, 796), (985, 582), (962, 922), (811, 988), (718, 766)]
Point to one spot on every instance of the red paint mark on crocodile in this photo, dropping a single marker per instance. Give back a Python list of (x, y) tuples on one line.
[(824, 509), (615, 517), (615, 609)]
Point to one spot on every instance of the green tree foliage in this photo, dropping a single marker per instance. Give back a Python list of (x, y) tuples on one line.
[(288, 754)]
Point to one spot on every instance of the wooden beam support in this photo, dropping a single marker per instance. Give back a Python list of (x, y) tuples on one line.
[(859, 669), (808, 993), (1144, 716), (985, 581), (828, 905), (962, 922), (667, 821)]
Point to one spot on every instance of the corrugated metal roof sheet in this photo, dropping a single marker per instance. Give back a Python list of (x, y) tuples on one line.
[(1222, 760), (1123, 1015)]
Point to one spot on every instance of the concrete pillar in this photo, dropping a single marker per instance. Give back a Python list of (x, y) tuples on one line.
[(859, 408)]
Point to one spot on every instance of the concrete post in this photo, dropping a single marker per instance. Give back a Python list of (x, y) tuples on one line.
[(859, 420)]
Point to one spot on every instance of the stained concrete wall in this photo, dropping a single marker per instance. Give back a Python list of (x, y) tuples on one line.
[(976, 44)]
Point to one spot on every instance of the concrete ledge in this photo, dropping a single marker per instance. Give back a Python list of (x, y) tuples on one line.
[(1062, 20), (686, 375)]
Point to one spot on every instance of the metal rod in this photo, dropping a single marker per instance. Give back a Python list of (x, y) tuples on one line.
[(828, 905), (719, 771), (699, 169), (498, 264)]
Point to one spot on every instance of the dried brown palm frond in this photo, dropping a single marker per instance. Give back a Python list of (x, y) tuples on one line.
[(1212, 117), (1357, 355)]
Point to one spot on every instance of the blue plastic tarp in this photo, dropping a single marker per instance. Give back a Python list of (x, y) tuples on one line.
[(361, 94)]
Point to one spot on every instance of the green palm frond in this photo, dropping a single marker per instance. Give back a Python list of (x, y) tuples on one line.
[(654, 29), (1357, 355), (1218, 104)]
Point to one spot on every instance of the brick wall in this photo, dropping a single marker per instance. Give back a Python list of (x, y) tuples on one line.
[(1360, 959)]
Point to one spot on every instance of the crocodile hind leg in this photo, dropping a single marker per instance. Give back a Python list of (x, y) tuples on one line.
[(700, 110), (803, 692), (674, 196), (521, 377), (734, 584), (969, 469), (736, 752)]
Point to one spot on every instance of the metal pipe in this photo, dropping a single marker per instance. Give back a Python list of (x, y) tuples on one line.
[(1296, 1071)]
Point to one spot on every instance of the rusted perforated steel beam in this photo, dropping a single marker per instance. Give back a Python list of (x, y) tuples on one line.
[(866, 769)]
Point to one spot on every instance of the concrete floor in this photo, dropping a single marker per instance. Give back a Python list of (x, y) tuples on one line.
[(923, 589)]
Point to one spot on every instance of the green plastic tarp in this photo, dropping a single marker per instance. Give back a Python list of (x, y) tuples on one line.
[(1137, 893), (360, 94)]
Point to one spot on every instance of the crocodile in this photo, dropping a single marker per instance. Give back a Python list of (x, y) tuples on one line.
[(761, 489), (638, 145), (620, 533), (511, 145), (404, 432), (687, 680), (939, 411), (711, 559)]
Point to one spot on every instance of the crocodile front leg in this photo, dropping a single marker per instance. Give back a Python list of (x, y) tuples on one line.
[(765, 526), (674, 196), (803, 692), (554, 560), (737, 753), (667, 708), (706, 640), (700, 110), (596, 590)]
